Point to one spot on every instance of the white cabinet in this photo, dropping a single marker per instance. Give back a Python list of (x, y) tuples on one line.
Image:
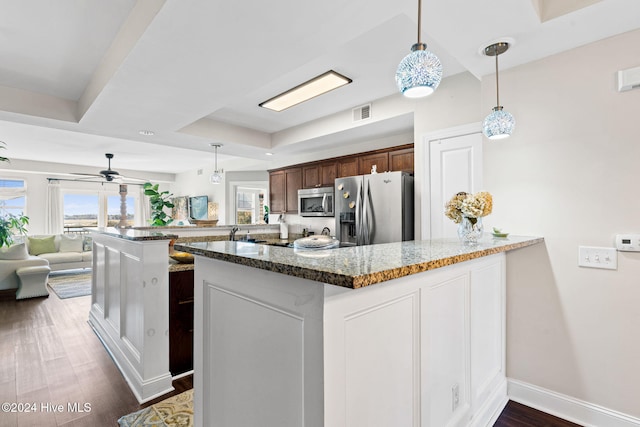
[(425, 350)]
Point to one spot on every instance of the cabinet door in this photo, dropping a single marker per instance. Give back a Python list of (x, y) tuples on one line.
[(366, 162), (311, 176), (293, 182), (401, 160), (348, 167), (180, 321), (277, 195), (328, 173)]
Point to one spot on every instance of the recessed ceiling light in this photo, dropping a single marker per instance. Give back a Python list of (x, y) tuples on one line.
[(268, 154), (310, 89), (146, 132)]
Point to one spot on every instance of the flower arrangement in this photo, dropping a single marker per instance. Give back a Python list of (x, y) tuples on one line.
[(472, 206)]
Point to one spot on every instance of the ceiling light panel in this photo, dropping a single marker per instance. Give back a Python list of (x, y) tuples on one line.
[(317, 86)]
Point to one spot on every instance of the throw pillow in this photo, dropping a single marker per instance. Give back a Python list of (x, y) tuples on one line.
[(70, 243), (14, 252), (87, 244), (42, 245)]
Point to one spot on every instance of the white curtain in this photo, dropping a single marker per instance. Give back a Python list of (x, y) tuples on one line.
[(55, 212), (144, 208)]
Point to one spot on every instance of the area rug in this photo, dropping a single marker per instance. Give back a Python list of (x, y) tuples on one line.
[(71, 284), (176, 411)]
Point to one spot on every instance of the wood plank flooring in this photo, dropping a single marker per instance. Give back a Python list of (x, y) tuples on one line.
[(50, 356)]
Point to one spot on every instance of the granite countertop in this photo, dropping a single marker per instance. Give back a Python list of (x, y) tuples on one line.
[(355, 267), (131, 234)]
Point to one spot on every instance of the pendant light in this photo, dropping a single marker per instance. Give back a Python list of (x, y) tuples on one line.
[(498, 124), (216, 176), (420, 72)]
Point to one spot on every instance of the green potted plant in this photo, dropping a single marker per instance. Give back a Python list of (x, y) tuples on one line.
[(159, 200), (11, 224)]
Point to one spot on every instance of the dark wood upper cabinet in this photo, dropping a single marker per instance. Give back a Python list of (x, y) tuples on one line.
[(401, 160), (328, 173), (311, 176), (293, 182), (347, 167), (366, 162), (285, 183), (277, 195), (321, 174)]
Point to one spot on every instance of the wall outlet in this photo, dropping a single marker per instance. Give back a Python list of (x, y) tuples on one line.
[(596, 257)]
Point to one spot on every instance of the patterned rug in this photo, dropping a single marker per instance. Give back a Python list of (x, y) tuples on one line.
[(71, 284), (176, 411)]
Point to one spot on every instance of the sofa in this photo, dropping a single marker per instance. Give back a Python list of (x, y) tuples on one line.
[(62, 251)]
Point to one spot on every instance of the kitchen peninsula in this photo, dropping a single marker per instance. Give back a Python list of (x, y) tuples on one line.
[(409, 333), (137, 290)]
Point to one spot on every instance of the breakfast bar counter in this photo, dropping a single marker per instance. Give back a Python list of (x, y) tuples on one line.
[(358, 266), (409, 333)]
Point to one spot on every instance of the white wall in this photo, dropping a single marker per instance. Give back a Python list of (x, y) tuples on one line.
[(569, 174)]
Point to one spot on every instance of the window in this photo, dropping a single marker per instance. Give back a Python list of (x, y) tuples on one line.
[(96, 209), (80, 210), (249, 205), (114, 210), (13, 197)]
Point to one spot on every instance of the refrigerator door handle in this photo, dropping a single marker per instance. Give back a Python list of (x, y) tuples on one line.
[(366, 229), (359, 216)]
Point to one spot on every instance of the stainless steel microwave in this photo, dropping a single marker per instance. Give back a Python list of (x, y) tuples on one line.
[(315, 201)]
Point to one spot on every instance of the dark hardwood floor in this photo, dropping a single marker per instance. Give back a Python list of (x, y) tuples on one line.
[(49, 356)]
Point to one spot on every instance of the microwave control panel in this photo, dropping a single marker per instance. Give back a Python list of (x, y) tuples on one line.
[(628, 242)]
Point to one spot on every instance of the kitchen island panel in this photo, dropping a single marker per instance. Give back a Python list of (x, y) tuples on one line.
[(279, 350), (258, 347)]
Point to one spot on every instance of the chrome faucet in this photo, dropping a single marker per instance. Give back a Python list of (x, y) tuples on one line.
[(232, 234)]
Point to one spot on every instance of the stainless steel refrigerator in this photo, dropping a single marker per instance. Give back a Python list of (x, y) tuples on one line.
[(376, 208)]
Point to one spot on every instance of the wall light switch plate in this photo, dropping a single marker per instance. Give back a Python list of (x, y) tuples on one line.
[(596, 257)]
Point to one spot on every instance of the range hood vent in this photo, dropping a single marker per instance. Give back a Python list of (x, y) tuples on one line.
[(362, 113)]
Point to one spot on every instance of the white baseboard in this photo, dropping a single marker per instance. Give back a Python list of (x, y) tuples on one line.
[(567, 407)]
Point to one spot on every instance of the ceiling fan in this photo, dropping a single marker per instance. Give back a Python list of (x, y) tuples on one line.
[(108, 174)]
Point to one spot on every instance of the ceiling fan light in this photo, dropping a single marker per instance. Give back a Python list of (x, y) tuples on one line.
[(419, 73), (499, 124)]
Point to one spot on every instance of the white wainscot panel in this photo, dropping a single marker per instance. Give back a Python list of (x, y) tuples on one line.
[(113, 286), (381, 364), (133, 293), (446, 353), (243, 328), (99, 279), (487, 334)]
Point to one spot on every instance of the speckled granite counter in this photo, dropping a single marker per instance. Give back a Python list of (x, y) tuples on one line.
[(132, 234), (356, 267)]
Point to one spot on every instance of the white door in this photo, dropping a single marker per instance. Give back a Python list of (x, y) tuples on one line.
[(455, 164)]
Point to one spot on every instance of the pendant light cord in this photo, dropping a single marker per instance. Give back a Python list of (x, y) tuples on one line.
[(216, 153), (497, 84), (419, 19)]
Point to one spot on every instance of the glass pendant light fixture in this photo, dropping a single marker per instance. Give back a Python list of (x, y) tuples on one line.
[(498, 124), (420, 72), (216, 176)]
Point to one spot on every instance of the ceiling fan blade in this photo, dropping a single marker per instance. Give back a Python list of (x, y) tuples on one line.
[(87, 174)]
